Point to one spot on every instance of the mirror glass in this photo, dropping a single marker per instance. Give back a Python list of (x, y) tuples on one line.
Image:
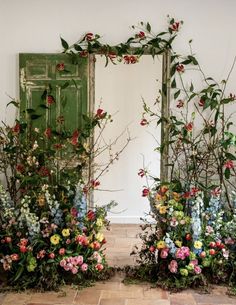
[(120, 90)]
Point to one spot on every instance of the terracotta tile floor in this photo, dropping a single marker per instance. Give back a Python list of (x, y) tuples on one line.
[(121, 240)]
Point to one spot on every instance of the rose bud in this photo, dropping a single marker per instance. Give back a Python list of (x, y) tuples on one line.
[(212, 244), (212, 252), (96, 245), (145, 192), (152, 248), (144, 122), (180, 68), (188, 236), (62, 251), (51, 255), (23, 249), (99, 267)]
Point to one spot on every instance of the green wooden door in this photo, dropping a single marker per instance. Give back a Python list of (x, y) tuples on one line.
[(51, 80)]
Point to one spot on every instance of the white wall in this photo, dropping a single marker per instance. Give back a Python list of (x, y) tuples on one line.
[(35, 26)]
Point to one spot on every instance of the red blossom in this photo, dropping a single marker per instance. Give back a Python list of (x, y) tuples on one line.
[(141, 173), (144, 122), (60, 67), (23, 249), (130, 59), (48, 132), (180, 68), (112, 55), (23, 241), (73, 212), (189, 127), (229, 164), (44, 171), (100, 113), (91, 215), (50, 100), (99, 267), (16, 129), (96, 245), (145, 192), (95, 183), (194, 191), (58, 146), (232, 96), (187, 195), (180, 104), (201, 103), (89, 36), (175, 26), (20, 168), (83, 53), (216, 191), (74, 139), (141, 35)]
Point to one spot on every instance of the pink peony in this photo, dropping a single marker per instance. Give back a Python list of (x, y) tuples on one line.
[(84, 267), (78, 260)]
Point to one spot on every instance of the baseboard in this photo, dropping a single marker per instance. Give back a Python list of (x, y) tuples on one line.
[(127, 219)]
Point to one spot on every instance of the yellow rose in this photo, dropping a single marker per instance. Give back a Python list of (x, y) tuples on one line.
[(65, 232), (198, 244), (163, 209), (178, 243), (161, 244), (99, 236), (55, 239), (99, 222)]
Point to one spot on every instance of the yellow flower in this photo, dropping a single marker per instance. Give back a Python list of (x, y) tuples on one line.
[(161, 244), (198, 244), (183, 272), (65, 232), (158, 197), (178, 243), (99, 237), (163, 209), (99, 222), (55, 239)]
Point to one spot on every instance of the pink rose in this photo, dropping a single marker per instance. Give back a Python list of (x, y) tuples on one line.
[(99, 267), (66, 268), (173, 266), (62, 251), (63, 263), (194, 262), (74, 270), (164, 253), (197, 269), (84, 267)]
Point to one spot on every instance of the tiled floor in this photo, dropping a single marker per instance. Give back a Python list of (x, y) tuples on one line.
[(121, 239)]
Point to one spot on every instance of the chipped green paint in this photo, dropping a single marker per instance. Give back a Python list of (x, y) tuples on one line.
[(40, 75)]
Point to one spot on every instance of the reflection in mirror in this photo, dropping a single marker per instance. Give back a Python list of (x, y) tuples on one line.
[(120, 89)]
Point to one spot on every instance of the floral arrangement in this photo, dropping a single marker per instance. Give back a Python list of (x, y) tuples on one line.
[(47, 236), (189, 243), (192, 239)]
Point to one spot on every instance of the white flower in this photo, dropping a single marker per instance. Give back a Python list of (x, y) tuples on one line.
[(35, 146)]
